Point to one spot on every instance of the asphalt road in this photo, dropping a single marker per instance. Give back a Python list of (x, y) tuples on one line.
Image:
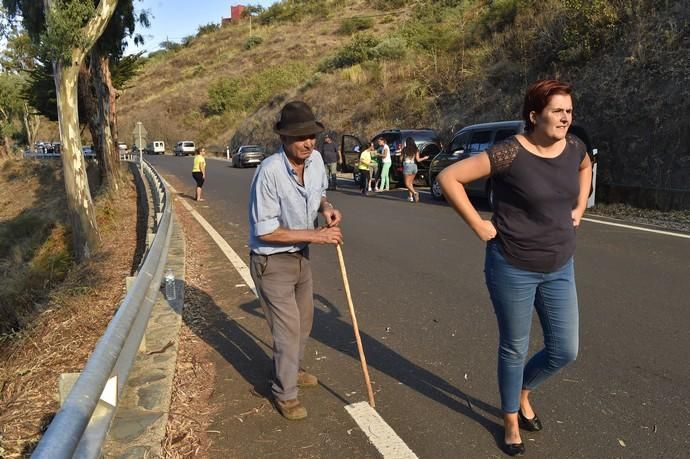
[(430, 335)]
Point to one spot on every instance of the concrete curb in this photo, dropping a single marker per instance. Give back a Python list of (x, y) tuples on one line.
[(139, 426)]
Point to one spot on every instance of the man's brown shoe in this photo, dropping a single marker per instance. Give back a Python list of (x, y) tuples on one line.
[(305, 379), (291, 409)]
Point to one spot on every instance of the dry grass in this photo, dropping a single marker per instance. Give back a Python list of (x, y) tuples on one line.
[(190, 411), (171, 91), (64, 331)]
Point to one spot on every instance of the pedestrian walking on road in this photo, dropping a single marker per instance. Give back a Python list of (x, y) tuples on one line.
[(541, 181), (199, 171), (329, 152), (410, 157), (374, 169), (384, 184), (287, 194), (364, 167)]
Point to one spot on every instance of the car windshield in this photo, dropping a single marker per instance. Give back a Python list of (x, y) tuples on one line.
[(188, 144), (422, 136), (253, 149)]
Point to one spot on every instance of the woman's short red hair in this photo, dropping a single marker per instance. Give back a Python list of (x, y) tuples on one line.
[(538, 96)]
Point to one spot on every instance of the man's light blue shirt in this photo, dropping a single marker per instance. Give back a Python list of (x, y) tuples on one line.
[(277, 199)]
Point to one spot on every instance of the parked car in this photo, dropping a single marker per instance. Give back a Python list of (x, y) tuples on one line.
[(184, 148), (122, 148), (157, 147), (427, 140), (473, 140), (467, 142), (88, 151), (248, 155)]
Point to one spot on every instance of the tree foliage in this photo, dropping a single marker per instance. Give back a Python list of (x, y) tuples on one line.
[(63, 31), (206, 29), (11, 104)]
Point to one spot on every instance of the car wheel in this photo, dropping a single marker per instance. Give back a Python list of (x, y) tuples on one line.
[(490, 195), (436, 191)]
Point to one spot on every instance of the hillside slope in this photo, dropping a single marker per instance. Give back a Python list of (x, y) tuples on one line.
[(436, 64)]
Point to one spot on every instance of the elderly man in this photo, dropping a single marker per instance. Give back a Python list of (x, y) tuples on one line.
[(287, 194)]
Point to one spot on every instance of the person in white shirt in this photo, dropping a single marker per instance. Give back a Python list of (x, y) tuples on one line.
[(384, 184)]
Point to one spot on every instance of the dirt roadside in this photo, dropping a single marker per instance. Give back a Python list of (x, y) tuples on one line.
[(66, 327)]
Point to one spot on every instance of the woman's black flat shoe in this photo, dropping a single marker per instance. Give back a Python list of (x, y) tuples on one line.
[(531, 425), (514, 449)]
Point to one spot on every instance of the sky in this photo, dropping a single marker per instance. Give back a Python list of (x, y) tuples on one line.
[(175, 19)]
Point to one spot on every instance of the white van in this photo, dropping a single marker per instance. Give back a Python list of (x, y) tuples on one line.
[(157, 147), (184, 148)]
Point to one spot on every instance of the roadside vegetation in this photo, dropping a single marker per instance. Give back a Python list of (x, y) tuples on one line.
[(53, 308)]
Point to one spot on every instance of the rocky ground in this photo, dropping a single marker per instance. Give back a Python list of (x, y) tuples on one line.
[(677, 220)]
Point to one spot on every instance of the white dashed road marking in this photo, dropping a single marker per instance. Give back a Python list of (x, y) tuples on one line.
[(379, 433)]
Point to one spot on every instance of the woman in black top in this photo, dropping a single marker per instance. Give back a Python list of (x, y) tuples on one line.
[(541, 181)]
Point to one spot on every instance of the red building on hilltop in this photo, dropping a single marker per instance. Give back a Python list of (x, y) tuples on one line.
[(235, 14)]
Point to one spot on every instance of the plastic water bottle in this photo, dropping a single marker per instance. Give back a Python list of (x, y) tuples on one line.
[(170, 285)]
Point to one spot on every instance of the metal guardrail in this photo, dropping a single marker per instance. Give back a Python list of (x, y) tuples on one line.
[(80, 427)]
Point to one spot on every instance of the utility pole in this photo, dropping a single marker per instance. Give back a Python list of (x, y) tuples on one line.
[(141, 156)]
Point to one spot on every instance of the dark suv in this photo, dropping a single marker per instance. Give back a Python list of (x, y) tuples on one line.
[(469, 142), (427, 140)]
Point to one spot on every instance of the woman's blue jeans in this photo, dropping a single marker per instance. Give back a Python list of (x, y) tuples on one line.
[(514, 292)]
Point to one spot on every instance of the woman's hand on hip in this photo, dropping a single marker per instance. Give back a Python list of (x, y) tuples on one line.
[(576, 216), (485, 230)]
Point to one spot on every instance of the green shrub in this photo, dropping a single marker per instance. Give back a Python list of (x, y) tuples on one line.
[(390, 49), (294, 11), (206, 29), (589, 26), (361, 49), (355, 24), (252, 42), (389, 4), (499, 15), (245, 93)]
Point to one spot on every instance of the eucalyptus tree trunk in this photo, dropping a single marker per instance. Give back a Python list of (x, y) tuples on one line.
[(82, 213), (80, 206), (31, 124), (105, 95), (93, 104)]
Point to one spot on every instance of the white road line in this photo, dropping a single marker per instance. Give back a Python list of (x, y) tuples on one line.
[(380, 434), (638, 228)]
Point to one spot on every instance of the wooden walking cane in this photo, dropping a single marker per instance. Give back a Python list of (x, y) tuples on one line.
[(360, 349)]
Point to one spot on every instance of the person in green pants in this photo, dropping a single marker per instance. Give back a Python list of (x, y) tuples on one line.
[(385, 155)]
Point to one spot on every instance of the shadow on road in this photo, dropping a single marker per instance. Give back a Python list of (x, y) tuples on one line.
[(246, 352), (334, 331), (237, 345)]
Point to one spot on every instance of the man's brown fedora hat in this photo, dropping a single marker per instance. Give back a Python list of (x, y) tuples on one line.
[(297, 119)]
